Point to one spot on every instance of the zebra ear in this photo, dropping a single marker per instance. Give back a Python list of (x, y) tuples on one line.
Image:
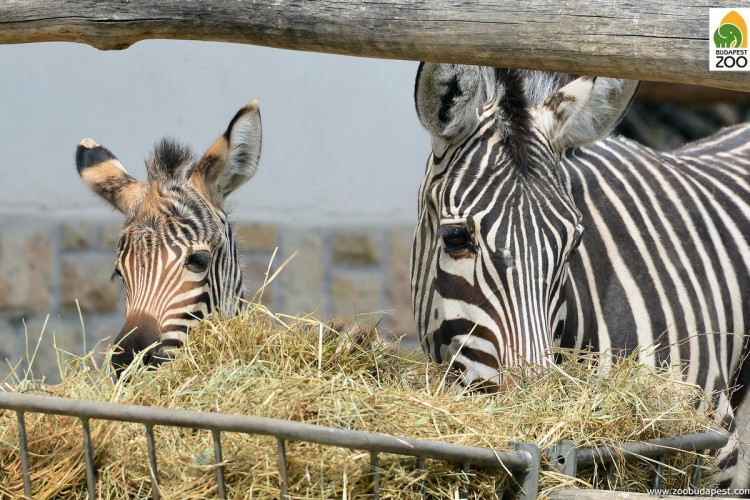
[(447, 97), (103, 173), (233, 159), (584, 111)]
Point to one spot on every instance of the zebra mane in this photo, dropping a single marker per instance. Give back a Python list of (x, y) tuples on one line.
[(513, 109), (169, 161), (517, 92), (448, 96)]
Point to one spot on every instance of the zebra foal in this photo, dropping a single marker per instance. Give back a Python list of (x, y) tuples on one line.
[(176, 255), (534, 231)]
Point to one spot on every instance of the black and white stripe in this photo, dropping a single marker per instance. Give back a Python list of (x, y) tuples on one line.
[(176, 255), (512, 188), (178, 263)]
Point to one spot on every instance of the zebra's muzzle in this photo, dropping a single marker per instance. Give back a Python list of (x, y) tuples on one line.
[(140, 335)]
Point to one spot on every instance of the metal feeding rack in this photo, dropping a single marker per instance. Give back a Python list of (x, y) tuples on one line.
[(524, 463)]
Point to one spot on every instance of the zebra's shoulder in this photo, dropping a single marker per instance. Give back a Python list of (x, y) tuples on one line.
[(606, 150), (731, 141)]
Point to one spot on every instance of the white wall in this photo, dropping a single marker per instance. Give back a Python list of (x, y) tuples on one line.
[(342, 143)]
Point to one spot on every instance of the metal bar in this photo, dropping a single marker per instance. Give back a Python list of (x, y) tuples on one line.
[(709, 440), (219, 459), (696, 477), (421, 462), (375, 475), (659, 472), (463, 492), (611, 475), (528, 480), (595, 478), (524, 462), (562, 456), (283, 470), (24, 448), (152, 462), (357, 440), (89, 452)]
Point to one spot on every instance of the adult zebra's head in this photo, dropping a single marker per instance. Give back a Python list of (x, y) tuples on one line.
[(496, 224), (176, 254)]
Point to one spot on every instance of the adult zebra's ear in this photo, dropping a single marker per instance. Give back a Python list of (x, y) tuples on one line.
[(584, 111), (103, 173), (447, 97), (233, 159)]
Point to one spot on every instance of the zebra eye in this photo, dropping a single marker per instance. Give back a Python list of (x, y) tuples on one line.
[(198, 262), (456, 237)]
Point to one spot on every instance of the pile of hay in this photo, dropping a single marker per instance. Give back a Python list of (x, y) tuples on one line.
[(299, 369)]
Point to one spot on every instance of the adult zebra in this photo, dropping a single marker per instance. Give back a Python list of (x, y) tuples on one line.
[(176, 254), (510, 191)]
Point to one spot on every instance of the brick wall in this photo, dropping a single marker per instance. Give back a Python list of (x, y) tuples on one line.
[(50, 268)]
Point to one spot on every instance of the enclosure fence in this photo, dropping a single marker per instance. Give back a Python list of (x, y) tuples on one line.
[(524, 463)]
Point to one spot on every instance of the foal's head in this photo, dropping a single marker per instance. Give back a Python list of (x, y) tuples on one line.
[(176, 255)]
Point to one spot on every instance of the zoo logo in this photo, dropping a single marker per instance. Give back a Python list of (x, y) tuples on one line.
[(731, 33), (729, 49)]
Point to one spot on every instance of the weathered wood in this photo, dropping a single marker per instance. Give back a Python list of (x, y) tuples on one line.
[(657, 93), (650, 39)]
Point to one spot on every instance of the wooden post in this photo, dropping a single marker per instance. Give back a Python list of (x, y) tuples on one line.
[(649, 40)]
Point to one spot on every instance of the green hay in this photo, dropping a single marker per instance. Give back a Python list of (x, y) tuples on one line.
[(301, 369)]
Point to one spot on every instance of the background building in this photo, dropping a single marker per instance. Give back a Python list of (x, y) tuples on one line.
[(343, 155)]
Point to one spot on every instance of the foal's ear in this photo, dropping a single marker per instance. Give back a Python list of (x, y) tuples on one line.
[(447, 97), (233, 159), (103, 173), (584, 111)]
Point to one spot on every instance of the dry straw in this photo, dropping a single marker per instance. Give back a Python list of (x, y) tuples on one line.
[(301, 369)]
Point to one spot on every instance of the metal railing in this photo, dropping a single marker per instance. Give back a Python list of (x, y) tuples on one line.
[(524, 463), (566, 457)]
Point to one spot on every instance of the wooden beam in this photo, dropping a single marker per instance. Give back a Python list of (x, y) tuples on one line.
[(658, 93), (663, 40)]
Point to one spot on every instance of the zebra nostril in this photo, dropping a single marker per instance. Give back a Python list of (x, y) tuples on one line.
[(122, 357), (148, 356), (125, 355)]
